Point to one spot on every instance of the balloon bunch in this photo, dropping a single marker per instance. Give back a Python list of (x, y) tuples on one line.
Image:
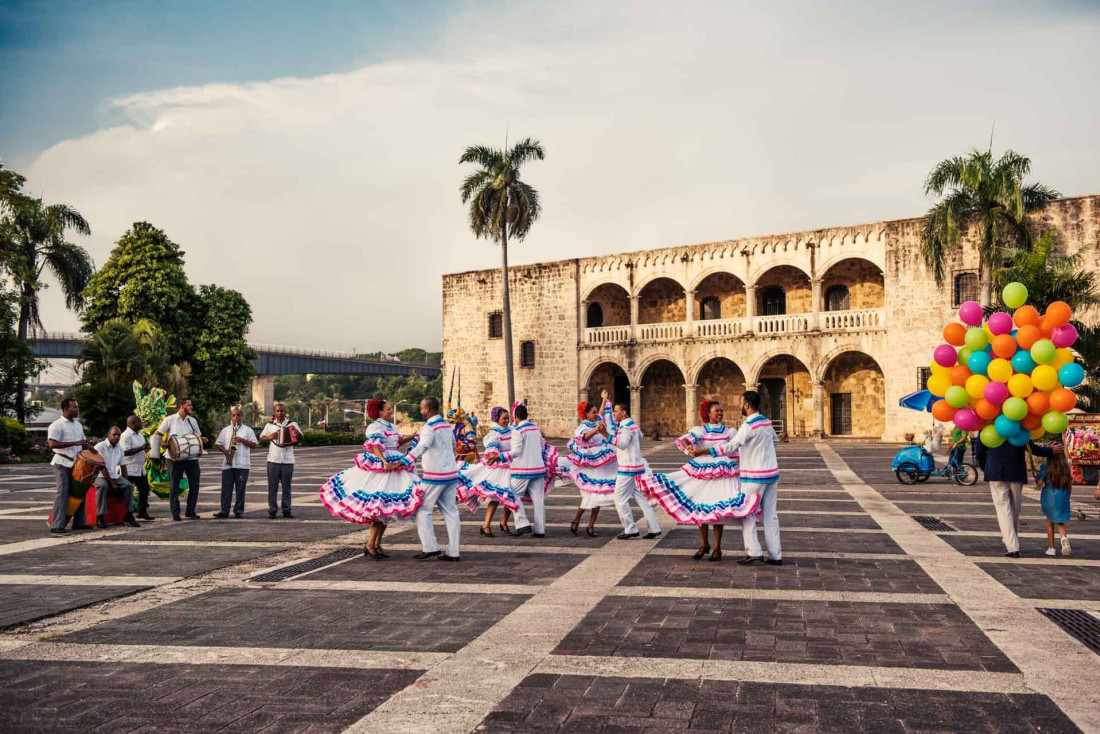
[(1010, 379)]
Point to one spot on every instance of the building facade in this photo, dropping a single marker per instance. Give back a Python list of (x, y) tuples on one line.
[(832, 326)]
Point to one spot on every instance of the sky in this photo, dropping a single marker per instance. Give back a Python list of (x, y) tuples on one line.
[(306, 154)]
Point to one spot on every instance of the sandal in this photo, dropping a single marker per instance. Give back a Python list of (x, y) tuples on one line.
[(486, 532), (701, 552), (573, 526), (715, 556), (504, 529), (591, 532)]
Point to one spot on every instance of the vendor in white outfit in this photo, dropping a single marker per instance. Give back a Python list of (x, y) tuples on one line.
[(626, 437), (440, 482)]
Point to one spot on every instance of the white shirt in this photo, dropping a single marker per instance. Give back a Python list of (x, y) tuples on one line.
[(626, 437), (64, 430), (436, 444), (112, 456), (279, 454), (135, 463), (525, 455), (243, 458), (174, 425)]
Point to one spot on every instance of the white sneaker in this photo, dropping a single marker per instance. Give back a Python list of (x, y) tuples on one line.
[(1065, 546), (1051, 552)]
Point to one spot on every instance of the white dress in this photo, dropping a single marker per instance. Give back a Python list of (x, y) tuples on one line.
[(591, 466), (366, 493), (481, 482), (708, 488)]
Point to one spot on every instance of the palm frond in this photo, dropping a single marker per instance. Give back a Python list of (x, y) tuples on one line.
[(946, 174), (482, 155), (1036, 196), (62, 217), (474, 182), (524, 151), (73, 267)]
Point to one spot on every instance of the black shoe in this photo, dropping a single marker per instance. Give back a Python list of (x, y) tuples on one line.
[(1012, 554), (129, 520), (521, 531), (424, 555), (538, 535), (485, 533), (58, 530), (651, 536), (373, 555), (193, 516), (573, 527), (101, 522), (590, 532), (145, 516), (238, 515), (627, 536), (698, 555), (715, 555), (220, 516), (176, 518), (452, 559), (272, 515), (774, 561), (749, 560), (288, 516)]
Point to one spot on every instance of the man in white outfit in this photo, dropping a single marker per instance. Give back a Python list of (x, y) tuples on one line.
[(626, 437), (528, 472), (440, 482)]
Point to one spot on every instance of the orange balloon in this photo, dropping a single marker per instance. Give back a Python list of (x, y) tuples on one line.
[(942, 412), (1032, 421), (1063, 400), (954, 334), (959, 375), (986, 410), (1026, 316), (1038, 403), (1028, 335), (1059, 313), (1004, 346), (1046, 326)]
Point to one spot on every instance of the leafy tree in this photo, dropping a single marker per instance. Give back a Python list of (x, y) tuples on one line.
[(17, 360), (502, 206), (222, 360), (1050, 275), (989, 194), (1088, 355)]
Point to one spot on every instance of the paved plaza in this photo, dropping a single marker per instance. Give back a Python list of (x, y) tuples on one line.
[(873, 624)]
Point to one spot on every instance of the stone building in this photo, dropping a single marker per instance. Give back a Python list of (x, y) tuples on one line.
[(833, 326)]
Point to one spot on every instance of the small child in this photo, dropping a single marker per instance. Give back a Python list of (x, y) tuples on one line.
[(1056, 482)]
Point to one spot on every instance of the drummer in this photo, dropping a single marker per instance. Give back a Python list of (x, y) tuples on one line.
[(181, 423), (65, 438), (113, 477)]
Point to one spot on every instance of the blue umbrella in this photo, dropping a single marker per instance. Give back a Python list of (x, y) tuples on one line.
[(921, 400)]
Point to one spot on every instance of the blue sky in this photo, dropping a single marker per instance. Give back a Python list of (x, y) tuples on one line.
[(311, 148)]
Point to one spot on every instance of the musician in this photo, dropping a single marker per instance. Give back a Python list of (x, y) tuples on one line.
[(280, 458), (134, 447), (65, 438), (113, 478), (235, 442), (181, 423)]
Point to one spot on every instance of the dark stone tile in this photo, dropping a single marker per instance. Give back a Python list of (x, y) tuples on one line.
[(90, 559), (475, 568), (356, 620), (990, 545), (556, 535), (16, 531), (800, 542), (1028, 524), (1052, 580), (817, 519), (892, 635), (243, 530), (24, 603)]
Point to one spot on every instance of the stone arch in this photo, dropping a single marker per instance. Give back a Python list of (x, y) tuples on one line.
[(827, 359), (853, 268), (586, 376), (855, 394), (601, 283), (641, 367), (661, 300), (795, 284), (719, 378), (640, 285), (786, 390), (772, 263), (663, 398), (607, 374), (614, 301), (725, 286)]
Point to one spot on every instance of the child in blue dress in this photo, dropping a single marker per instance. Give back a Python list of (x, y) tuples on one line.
[(1056, 482)]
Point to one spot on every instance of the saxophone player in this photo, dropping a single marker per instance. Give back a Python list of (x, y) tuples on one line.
[(235, 442)]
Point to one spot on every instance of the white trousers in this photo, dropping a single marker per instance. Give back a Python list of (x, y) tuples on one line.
[(626, 489), (1007, 498), (443, 497), (535, 488), (768, 493)]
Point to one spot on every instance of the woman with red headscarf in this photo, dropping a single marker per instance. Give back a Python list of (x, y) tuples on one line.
[(706, 490), (591, 465), (369, 493)]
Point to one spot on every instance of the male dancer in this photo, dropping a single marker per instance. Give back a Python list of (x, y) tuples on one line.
[(134, 447), (236, 464), (113, 476), (755, 442), (626, 437), (65, 438), (440, 481), (528, 472), (181, 423)]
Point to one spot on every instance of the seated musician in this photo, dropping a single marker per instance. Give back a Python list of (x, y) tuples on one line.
[(113, 479)]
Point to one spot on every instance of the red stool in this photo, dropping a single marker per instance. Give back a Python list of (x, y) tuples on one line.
[(116, 508)]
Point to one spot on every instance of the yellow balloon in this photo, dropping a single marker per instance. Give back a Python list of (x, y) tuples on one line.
[(975, 385), (1044, 377), (938, 384), (1038, 433), (1020, 386), (1062, 357), (939, 369), (988, 333), (999, 370)]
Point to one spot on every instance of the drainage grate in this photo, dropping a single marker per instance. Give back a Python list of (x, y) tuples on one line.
[(313, 564), (933, 523), (1077, 623)]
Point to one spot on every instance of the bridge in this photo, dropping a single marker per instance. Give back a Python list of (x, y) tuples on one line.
[(271, 360)]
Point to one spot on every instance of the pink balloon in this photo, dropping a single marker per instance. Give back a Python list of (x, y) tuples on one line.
[(1000, 323), (971, 313), (996, 392), (967, 420), (945, 355), (1064, 336)]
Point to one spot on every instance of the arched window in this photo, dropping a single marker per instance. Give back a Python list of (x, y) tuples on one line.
[(966, 288), (710, 308), (773, 301), (837, 298), (496, 325), (595, 315)]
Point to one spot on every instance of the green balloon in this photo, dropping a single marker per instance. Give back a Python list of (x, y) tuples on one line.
[(1043, 351), (990, 437), (964, 356), (1014, 409), (1055, 421), (1014, 295), (957, 397), (976, 338)]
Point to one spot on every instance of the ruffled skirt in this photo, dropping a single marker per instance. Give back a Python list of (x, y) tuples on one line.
[(362, 494), (479, 484), (596, 483), (693, 501)]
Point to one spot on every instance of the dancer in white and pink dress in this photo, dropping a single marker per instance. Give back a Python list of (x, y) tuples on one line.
[(488, 482), (591, 465), (707, 490)]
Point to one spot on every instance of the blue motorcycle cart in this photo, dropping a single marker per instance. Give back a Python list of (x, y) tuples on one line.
[(916, 464)]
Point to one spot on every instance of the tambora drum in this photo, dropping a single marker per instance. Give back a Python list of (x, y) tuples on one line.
[(184, 448), (86, 467)]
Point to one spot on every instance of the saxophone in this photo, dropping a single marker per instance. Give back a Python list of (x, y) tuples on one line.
[(233, 444)]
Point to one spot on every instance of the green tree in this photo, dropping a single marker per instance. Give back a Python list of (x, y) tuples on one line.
[(32, 240), (1087, 347), (17, 360), (502, 206), (991, 196), (222, 360), (1051, 275)]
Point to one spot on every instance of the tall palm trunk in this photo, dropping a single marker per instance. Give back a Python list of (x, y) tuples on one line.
[(985, 283), (24, 327), (507, 307)]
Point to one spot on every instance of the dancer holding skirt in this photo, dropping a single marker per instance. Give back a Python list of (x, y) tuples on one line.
[(488, 480), (591, 465)]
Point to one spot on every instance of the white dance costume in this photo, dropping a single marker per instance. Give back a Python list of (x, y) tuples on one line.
[(366, 492), (483, 482), (591, 466)]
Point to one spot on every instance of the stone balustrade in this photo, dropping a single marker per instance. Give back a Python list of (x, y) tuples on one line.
[(870, 318), (607, 334), (785, 324), (794, 323), (719, 328), (661, 332)]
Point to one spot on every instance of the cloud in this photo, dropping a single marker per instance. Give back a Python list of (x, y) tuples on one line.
[(331, 202)]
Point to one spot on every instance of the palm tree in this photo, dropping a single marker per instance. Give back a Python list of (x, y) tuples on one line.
[(1051, 276), (33, 235), (985, 193), (502, 206)]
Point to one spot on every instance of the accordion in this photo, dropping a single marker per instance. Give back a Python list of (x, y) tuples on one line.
[(287, 437)]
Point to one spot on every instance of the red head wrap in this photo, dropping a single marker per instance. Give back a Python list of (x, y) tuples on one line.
[(374, 408), (704, 409), (582, 409)]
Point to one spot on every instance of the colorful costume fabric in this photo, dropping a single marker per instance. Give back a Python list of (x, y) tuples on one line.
[(708, 488), (366, 493), (483, 482), (591, 466), (151, 407)]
